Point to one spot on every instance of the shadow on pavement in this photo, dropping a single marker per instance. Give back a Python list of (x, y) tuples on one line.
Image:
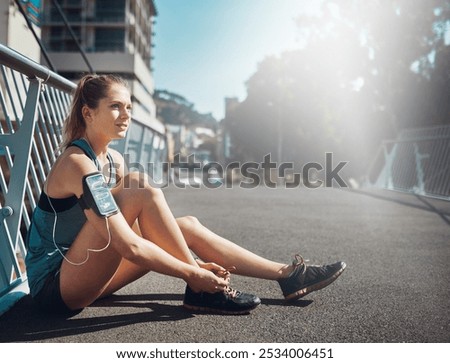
[(280, 302), (26, 323)]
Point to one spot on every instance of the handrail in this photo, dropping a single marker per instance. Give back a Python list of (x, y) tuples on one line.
[(31, 69), (416, 162)]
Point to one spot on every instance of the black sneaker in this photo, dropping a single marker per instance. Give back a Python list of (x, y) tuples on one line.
[(229, 301), (305, 279)]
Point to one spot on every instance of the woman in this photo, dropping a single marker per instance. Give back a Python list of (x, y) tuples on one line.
[(76, 255)]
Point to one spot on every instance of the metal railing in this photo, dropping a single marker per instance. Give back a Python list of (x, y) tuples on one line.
[(33, 104), (417, 162)]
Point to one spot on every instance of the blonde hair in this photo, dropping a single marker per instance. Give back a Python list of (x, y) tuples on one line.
[(90, 90)]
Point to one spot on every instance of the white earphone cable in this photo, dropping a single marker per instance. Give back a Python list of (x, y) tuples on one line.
[(88, 250)]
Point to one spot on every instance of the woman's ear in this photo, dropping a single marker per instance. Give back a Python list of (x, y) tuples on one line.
[(87, 113)]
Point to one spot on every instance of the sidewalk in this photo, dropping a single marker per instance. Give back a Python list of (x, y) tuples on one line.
[(395, 287)]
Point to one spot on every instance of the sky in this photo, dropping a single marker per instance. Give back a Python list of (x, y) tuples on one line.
[(205, 50)]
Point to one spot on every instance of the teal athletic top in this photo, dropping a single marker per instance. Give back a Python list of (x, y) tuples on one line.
[(43, 256)]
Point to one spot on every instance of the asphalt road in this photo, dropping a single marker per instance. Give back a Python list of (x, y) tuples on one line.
[(395, 287)]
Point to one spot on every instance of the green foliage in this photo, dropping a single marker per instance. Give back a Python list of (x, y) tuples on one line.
[(370, 69)]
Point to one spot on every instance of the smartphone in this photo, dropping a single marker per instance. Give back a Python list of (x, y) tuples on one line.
[(96, 195)]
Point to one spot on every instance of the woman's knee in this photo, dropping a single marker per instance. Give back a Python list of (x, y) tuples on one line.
[(136, 194), (188, 223), (139, 183)]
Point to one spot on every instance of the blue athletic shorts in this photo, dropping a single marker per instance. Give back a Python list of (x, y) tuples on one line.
[(49, 297)]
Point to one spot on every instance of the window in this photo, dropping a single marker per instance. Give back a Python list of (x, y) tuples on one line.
[(109, 39), (110, 10)]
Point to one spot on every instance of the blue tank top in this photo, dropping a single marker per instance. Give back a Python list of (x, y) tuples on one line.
[(43, 257)]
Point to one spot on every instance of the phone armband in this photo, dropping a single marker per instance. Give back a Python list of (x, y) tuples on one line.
[(97, 196)]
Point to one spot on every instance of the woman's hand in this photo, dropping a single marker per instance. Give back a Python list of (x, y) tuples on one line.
[(215, 268), (210, 266), (204, 280)]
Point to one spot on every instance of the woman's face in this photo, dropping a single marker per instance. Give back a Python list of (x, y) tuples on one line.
[(113, 115)]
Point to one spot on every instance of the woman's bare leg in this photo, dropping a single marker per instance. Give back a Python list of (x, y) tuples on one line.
[(138, 201), (105, 272), (178, 236), (211, 247)]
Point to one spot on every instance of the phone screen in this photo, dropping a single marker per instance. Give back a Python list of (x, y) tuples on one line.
[(101, 195)]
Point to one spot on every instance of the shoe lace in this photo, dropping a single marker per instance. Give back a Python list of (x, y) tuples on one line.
[(231, 292), (299, 260)]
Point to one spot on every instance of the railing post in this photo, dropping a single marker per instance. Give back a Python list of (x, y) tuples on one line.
[(5, 249), (419, 169), (385, 178), (19, 144), (405, 169)]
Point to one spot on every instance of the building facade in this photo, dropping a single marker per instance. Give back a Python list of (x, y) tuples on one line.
[(191, 132), (116, 36), (14, 31)]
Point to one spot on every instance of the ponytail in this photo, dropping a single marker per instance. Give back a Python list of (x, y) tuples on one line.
[(90, 90)]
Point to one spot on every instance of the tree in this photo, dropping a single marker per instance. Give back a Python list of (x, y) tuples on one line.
[(370, 69)]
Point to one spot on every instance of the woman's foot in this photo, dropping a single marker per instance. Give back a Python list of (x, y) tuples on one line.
[(307, 278)]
